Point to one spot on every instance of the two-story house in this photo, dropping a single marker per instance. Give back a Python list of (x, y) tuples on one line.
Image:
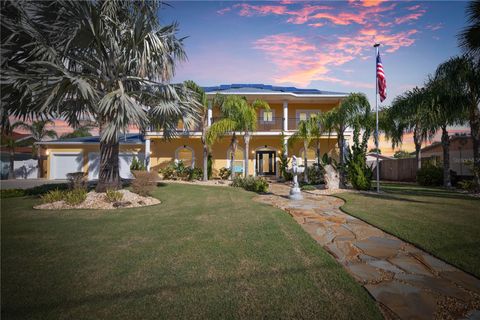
[(288, 105)]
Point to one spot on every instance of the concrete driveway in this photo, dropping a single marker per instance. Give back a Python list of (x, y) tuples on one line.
[(26, 183)]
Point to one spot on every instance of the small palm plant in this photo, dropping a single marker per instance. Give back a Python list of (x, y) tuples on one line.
[(304, 134)]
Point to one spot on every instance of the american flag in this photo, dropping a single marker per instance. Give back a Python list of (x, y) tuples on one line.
[(382, 82)]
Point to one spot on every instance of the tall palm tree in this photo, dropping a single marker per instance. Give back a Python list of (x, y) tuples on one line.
[(340, 118), (39, 131), (469, 38), (464, 73), (202, 121), (442, 90), (108, 61), (304, 133), (409, 113), (238, 116)]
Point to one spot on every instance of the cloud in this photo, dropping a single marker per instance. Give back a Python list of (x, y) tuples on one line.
[(434, 27), (248, 10), (224, 10), (368, 3), (413, 8), (409, 17)]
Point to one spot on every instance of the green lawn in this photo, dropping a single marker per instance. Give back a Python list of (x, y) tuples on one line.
[(205, 252), (444, 223)]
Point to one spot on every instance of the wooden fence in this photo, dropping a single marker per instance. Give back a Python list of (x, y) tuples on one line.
[(398, 169)]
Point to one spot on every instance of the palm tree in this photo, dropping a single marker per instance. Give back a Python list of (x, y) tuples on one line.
[(317, 126), (108, 61), (464, 73), (304, 133), (409, 113), (80, 131), (38, 130), (442, 90), (340, 118), (238, 116), (469, 38), (203, 122), (9, 142)]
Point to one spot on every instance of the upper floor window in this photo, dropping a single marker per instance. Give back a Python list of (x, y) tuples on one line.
[(306, 114), (267, 115)]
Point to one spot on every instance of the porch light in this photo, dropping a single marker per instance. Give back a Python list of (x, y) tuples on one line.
[(47, 152), (253, 152)]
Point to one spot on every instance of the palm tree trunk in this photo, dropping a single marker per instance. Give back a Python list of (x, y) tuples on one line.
[(341, 144), (109, 177), (318, 152), (40, 162), (446, 157), (475, 133), (232, 155), (418, 147), (205, 161), (246, 137), (305, 147), (11, 172)]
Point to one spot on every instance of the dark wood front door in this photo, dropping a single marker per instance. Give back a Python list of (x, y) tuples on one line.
[(266, 164)]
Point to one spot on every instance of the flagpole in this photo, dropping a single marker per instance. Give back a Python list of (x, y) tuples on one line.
[(376, 45)]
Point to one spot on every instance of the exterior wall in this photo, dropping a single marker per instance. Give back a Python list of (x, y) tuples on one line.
[(85, 149), (163, 152), (461, 150)]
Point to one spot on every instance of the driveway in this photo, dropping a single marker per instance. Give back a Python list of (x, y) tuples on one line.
[(26, 183)]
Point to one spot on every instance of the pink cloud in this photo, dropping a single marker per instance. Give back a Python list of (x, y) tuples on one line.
[(304, 14), (224, 10), (434, 27), (409, 17), (367, 3), (248, 10), (413, 8)]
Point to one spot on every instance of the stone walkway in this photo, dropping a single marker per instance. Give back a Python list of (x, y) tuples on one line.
[(407, 283)]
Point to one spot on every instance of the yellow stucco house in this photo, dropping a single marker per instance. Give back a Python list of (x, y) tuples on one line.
[(288, 105)]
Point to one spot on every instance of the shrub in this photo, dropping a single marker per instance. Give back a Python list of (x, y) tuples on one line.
[(137, 165), (225, 173), (315, 174), (53, 196), (113, 195), (39, 190), (308, 187), (360, 176), (144, 182), (178, 170), (75, 196), (430, 175), (195, 174), (255, 184), (76, 180), (168, 173), (468, 185)]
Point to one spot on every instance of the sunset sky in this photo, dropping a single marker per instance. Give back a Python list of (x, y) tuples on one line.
[(324, 44)]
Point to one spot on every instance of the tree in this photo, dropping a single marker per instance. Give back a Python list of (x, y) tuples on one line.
[(304, 134), (469, 38), (339, 119), (202, 121), (238, 116), (409, 112), (443, 90), (464, 75), (108, 61), (10, 143), (401, 154), (375, 150), (78, 132), (317, 126), (38, 130)]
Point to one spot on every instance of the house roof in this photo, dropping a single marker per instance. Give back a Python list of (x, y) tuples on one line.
[(249, 88), (130, 138)]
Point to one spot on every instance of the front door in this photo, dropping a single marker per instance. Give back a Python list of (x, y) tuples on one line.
[(266, 164)]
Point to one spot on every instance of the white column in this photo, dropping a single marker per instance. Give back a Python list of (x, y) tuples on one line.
[(209, 113), (285, 116), (147, 153)]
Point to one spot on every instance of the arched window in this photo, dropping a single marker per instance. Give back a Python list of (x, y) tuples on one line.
[(239, 162), (186, 155), (311, 156)]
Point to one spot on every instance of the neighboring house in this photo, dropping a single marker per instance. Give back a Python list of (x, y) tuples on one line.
[(461, 150), (25, 165), (288, 106)]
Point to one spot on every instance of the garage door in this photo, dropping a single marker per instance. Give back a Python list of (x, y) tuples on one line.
[(63, 163), (125, 160)]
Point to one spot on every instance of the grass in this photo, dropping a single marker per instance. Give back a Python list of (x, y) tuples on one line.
[(205, 252), (442, 222)]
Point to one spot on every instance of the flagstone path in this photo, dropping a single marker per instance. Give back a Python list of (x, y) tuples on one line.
[(407, 282)]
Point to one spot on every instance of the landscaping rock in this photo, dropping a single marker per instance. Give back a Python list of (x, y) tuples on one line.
[(332, 180)]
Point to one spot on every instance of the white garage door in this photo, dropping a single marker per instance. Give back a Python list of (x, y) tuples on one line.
[(63, 163), (125, 160)]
